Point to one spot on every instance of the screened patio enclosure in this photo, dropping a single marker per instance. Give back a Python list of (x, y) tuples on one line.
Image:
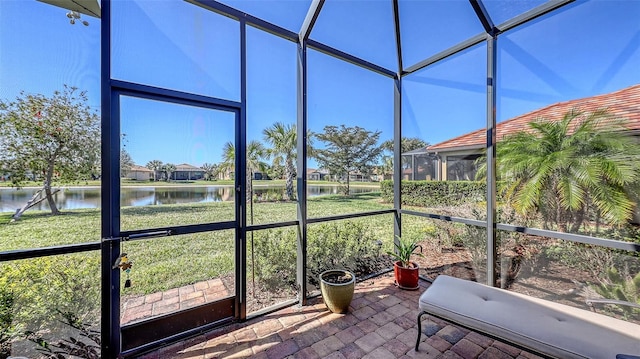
[(231, 89)]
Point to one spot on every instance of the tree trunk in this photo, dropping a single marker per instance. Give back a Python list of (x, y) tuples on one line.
[(47, 188), (577, 220), (34, 200), (560, 215), (290, 174), (249, 186), (347, 189)]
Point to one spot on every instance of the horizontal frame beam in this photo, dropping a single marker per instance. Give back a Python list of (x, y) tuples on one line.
[(571, 237), (259, 227), (471, 222), (49, 251), (349, 216), (184, 98), (177, 230), (578, 238)]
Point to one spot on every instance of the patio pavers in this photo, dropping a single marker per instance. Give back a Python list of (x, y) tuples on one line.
[(151, 305), (381, 324)]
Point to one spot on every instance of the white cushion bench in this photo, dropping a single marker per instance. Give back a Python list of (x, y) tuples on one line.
[(538, 325)]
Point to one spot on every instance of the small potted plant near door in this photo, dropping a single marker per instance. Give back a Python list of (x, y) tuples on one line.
[(405, 271), (336, 286)]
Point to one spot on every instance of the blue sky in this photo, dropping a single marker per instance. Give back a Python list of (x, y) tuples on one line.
[(587, 48)]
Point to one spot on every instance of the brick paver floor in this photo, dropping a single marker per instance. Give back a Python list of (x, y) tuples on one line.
[(155, 304), (381, 323)]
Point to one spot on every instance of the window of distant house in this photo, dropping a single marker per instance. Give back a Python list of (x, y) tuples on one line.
[(425, 166), (462, 168)]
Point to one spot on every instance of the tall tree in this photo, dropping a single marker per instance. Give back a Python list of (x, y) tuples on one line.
[(228, 164), (559, 168), (126, 162), (283, 140), (407, 143), (386, 166), (347, 150), (169, 169), (155, 166), (255, 153), (54, 138)]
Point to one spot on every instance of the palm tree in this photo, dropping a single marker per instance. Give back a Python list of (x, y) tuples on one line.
[(255, 152), (169, 168), (561, 168), (228, 164), (283, 140), (210, 171), (386, 166), (155, 166)]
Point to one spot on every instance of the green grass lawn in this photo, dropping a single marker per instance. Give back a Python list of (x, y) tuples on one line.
[(169, 262)]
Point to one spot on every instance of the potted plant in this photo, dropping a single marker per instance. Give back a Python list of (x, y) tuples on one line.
[(405, 271), (336, 286)]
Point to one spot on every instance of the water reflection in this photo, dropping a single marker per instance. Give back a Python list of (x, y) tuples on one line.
[(89, 197)]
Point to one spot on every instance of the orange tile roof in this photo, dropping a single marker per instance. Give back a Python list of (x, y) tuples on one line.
[(622, 104)]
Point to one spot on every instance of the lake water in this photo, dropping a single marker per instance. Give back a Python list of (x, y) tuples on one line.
[(89, 197)]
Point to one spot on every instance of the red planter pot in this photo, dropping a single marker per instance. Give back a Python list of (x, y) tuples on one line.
[(406, 278)]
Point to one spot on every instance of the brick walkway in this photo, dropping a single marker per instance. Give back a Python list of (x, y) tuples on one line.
[(154, 304), (381, 324)]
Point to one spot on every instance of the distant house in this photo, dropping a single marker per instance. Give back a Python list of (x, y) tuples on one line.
[(187, 172), (317, 174), (139, 173), (454, 159), (378, 177), (357, 176)]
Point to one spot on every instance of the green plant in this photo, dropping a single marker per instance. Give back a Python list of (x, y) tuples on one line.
[(404, 249), (7, 328), (86, 345), (345, 245), (42, 288), (623, 287), (567, 168)]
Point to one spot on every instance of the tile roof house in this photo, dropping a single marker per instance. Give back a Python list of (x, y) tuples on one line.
[(454, 159), (186, 171), (316, 174), (139, 173)]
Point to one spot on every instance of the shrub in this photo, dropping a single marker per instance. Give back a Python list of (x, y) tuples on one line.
[(7, 329), (344, 245), (34, 293), (439, 193), (621, 287), (275, 258)]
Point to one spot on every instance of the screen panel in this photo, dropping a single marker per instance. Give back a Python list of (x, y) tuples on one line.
[(177, 164)]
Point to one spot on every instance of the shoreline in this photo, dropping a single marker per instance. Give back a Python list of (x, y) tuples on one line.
[(333, 184)]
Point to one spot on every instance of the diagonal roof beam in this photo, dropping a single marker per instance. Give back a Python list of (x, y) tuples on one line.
[(484, 17), (396, 22), (349, 58), (446, 53), (533, 14), (235, 14), (310, 20)]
